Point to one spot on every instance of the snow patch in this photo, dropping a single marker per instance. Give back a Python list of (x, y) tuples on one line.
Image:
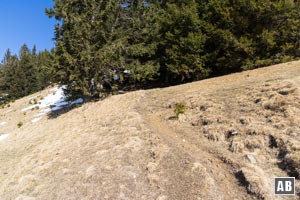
[(29, 108), (77, 101), (36, 119), (3, 123), (3, 136), (10, 110), (40, 114), (56, 100)]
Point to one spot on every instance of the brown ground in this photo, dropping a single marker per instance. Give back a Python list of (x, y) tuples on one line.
[(238, 133)]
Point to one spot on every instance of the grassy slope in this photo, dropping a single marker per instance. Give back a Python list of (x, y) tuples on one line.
[(239, 132)]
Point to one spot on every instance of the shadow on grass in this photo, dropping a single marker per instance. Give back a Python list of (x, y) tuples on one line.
[(56, 113)]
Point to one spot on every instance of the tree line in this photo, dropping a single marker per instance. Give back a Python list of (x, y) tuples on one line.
[(28, 72), (138, 43)]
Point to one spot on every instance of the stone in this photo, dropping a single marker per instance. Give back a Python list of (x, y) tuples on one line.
[(251, 158), (181, 118)]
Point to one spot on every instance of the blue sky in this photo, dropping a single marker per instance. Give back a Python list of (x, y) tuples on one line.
[(25, 22)]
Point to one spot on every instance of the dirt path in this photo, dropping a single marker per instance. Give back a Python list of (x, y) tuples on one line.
[(218, 180)]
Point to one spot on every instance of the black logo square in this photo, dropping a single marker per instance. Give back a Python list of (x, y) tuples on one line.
[(284, 185)]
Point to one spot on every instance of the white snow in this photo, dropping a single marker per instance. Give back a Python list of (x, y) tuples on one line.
[(29, 108), (45, 111), (40, 114), (3, 136), (77, 101), (36, 119), (56, 100), (8, 111), (2, 123)]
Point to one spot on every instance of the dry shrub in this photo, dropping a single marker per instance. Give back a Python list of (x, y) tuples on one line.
[(205, 121), (237, 145), (214, 135), (289, 153), (291, 164), (275, 103), (253, 178), (292, 115), (255, 130), (255, 142), (291, 131), (180, 108)]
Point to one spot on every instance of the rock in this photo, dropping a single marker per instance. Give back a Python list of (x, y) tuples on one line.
[(251, 159), (181, 118), (90, 172)]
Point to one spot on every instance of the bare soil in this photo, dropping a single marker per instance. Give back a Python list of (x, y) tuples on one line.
[(238, 133)]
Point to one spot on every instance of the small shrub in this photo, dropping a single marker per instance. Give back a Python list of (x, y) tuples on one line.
[(180, 108), (20, 124), (237, 146)]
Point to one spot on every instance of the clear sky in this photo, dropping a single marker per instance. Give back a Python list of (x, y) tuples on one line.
[(25, 22)]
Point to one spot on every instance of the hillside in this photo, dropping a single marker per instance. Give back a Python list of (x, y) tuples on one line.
[(238, 133)]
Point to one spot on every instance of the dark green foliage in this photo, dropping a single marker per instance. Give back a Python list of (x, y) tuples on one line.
[(246, 34), (24, 74), (158, 42), (169, 41), (182, 41), (180, 108)]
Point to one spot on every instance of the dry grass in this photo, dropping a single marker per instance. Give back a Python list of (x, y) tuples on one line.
[(111, 150), (237, 145), (256, 182)]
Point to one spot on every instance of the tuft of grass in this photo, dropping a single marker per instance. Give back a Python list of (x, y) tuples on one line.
[(20, 124), (237, 145), (180, 108), (275, 103)]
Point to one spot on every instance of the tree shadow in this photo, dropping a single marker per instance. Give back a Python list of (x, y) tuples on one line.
[(56, 113)]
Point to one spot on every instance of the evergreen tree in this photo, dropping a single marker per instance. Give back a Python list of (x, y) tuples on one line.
[(170, 41), (86, 27), (27, 73), (7, 57), (182, 41)]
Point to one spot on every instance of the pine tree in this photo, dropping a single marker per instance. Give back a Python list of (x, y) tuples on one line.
[(181, 47), (7, 58), (86, 27)]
